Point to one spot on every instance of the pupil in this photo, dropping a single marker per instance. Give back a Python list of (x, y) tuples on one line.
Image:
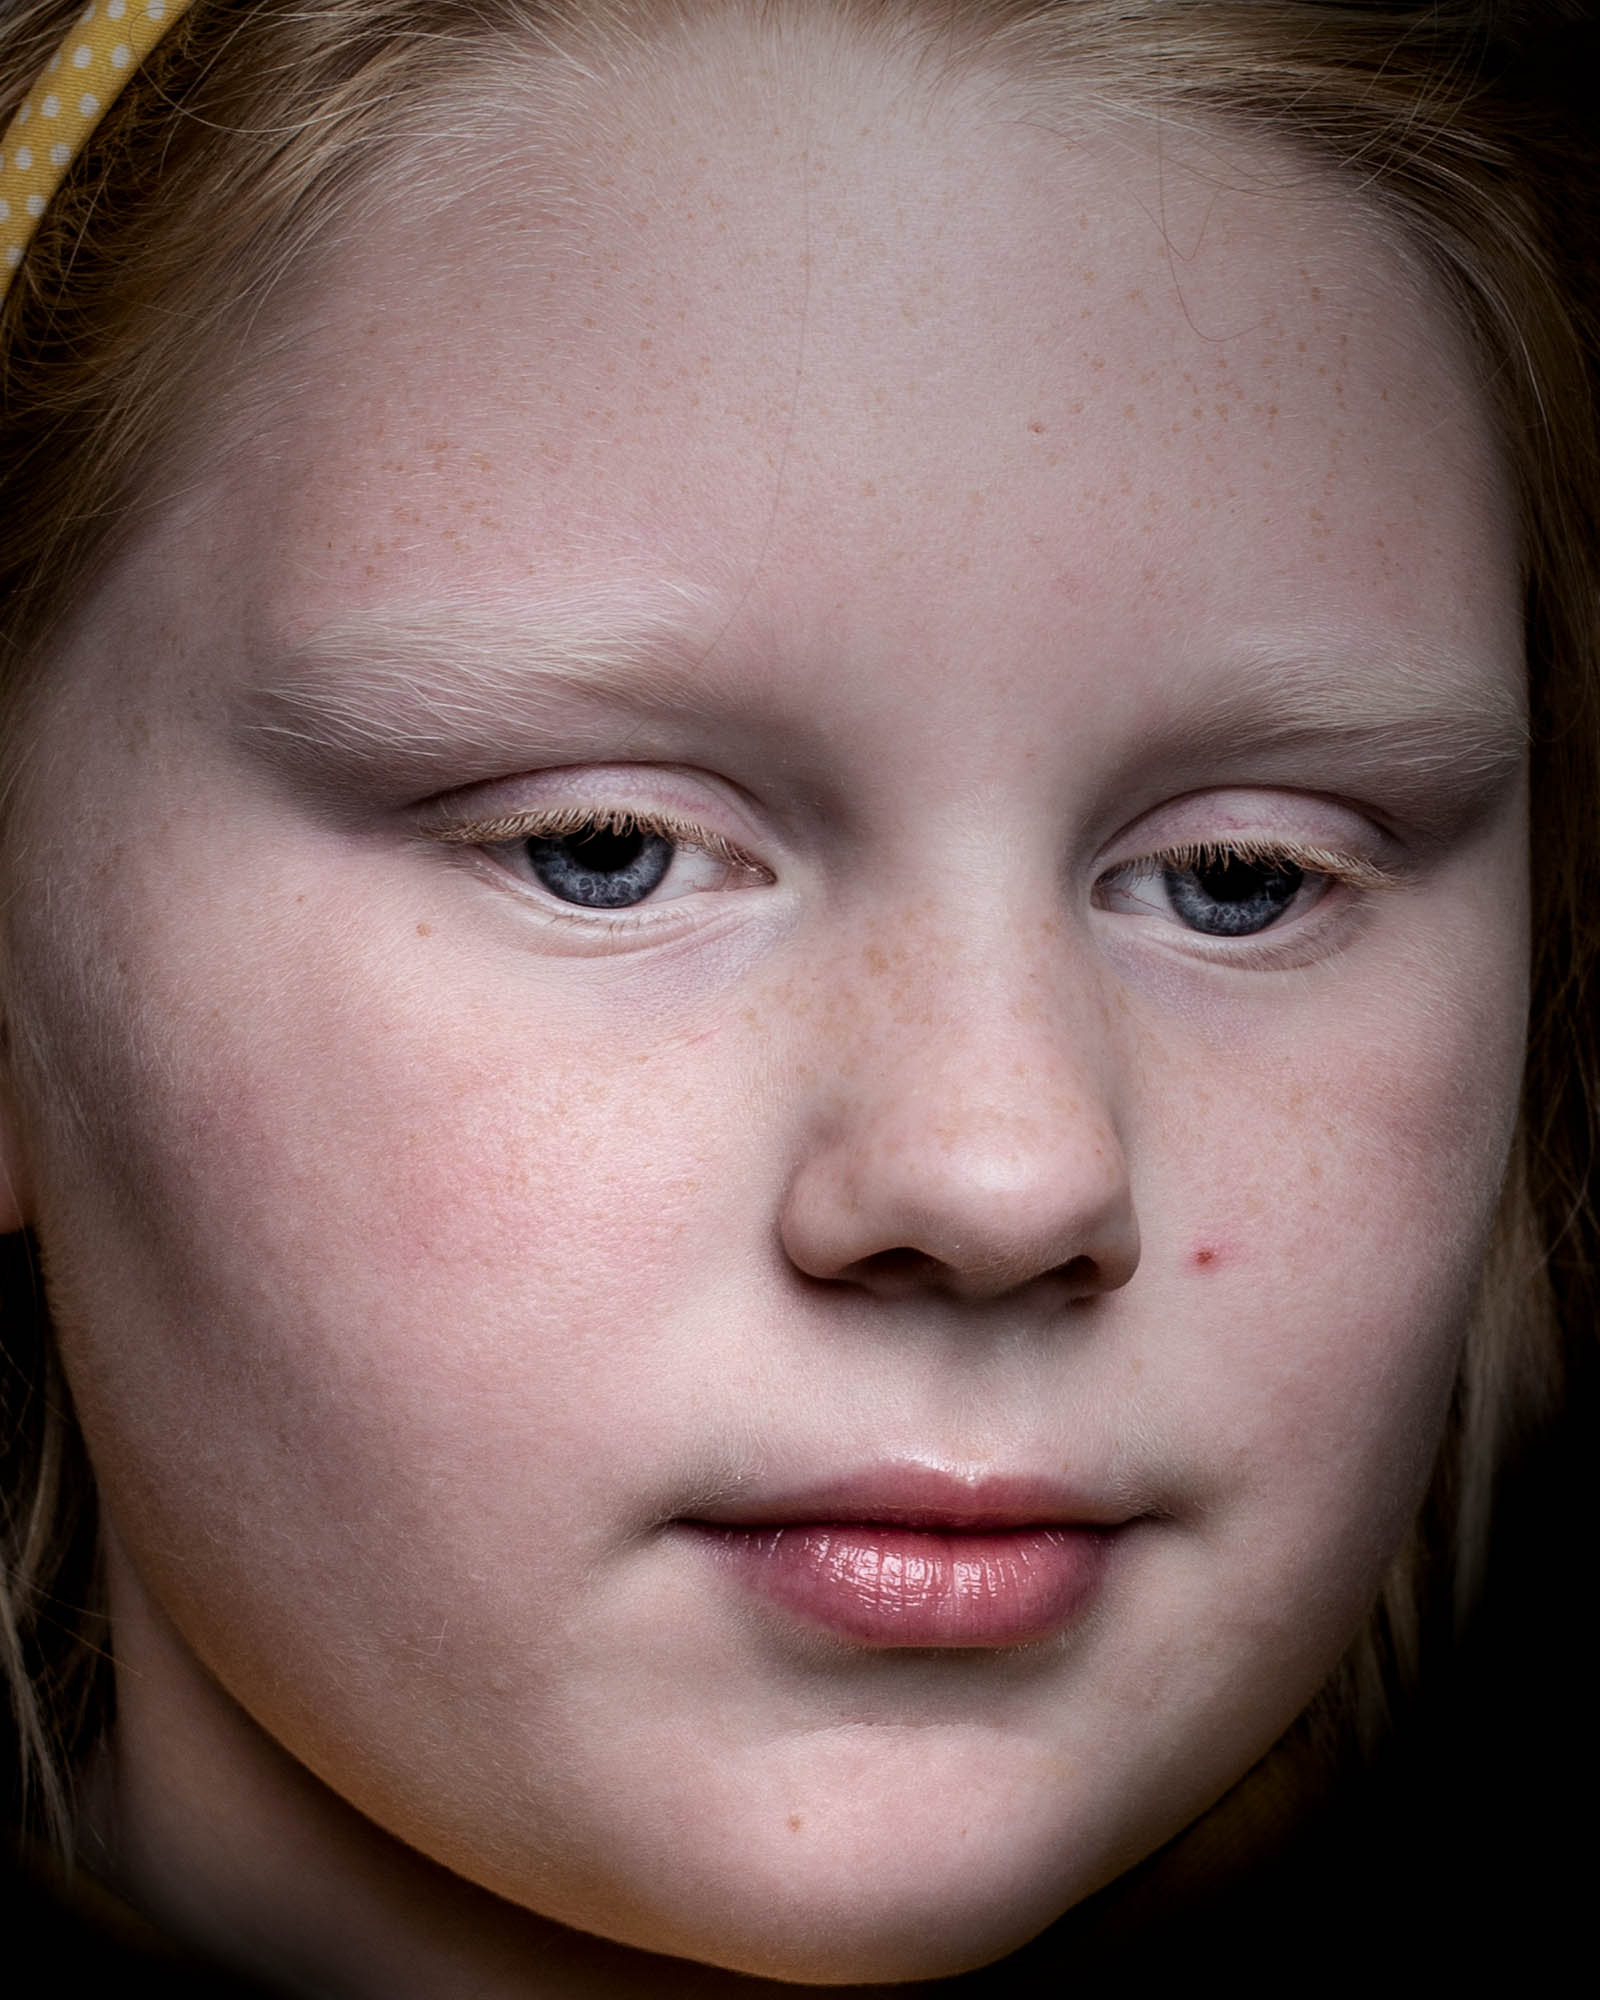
[(605, 850), (1232, 897), (601, 867)]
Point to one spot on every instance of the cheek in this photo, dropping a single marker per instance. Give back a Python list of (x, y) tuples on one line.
[(360, 1269), (1329, 1180)]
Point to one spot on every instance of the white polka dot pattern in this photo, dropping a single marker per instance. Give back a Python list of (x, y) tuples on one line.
[(103, 48)]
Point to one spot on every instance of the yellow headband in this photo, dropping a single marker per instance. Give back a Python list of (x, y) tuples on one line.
[(81, 81)]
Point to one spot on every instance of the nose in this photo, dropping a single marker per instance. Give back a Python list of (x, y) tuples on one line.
[(964, 1139)]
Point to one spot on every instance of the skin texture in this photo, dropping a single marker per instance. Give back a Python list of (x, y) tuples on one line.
[(423, 1251)]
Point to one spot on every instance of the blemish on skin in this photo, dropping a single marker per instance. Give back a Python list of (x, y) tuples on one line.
[(1204, 1257), (424, 930), (796, 1821)]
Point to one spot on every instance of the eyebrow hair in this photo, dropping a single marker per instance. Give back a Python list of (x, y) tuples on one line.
[(388, 686), (1413, 712)]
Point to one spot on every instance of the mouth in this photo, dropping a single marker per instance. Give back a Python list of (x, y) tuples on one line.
[(913, 1557)]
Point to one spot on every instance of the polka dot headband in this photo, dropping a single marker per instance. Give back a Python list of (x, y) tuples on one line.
[(81, 81)]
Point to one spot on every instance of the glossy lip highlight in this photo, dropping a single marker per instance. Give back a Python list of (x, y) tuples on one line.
[(911, 1556)]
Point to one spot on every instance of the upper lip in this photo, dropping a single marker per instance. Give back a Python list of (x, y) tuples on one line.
[(916, 1496)]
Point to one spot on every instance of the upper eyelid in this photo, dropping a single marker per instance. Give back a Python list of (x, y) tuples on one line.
[(1342, 863), (1357, 870), (552, 822)]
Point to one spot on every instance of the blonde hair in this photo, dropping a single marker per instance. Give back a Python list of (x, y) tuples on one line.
[(250, 141)]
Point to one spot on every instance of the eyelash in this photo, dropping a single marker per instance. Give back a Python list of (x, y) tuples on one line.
[(1354, 872), (1256, 850), (556, 823)]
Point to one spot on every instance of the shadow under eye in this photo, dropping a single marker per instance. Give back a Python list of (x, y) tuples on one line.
[(600, 868)]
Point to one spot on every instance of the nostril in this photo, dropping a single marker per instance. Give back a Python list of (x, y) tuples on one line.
[(901, 1269), (1079, 1274), (896, 1272)]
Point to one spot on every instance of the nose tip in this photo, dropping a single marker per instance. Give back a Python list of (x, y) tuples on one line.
[(956, 1193)]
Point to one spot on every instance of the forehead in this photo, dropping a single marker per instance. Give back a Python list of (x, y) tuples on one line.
[(822, 345)]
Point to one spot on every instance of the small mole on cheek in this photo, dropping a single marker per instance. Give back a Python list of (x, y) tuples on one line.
[(424, 930), (1204, 1257), (796, 1821)]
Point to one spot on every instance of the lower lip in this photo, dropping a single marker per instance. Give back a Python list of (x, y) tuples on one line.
[(887, 1586)]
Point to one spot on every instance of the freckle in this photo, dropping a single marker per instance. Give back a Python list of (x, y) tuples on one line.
[(796, 1821), (424, 930)]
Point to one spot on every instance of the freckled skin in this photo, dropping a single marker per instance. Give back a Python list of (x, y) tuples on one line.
[(414, 1265)]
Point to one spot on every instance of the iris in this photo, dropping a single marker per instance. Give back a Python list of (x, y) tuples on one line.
[(1232, 896), (601, 867)]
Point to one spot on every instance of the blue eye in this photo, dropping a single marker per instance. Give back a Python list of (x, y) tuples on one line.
[(1231, 895), (607, 858), (1239, 887), (600, 867)]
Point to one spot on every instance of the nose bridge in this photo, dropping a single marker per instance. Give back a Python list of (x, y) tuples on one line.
[(988, 1035)]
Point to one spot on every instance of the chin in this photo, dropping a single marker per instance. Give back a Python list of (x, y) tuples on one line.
[(878, 1940), (861, 1897)]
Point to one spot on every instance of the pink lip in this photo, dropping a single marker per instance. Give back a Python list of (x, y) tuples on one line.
[(911, 1556)]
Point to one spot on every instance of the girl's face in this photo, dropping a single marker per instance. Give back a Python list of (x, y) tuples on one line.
[(773, 984)]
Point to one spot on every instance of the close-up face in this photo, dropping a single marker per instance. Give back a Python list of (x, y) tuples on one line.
[(773, 985)]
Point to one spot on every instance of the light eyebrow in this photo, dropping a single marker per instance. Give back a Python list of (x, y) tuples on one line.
[(387, 688), (1394, 712), (389, 700)]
